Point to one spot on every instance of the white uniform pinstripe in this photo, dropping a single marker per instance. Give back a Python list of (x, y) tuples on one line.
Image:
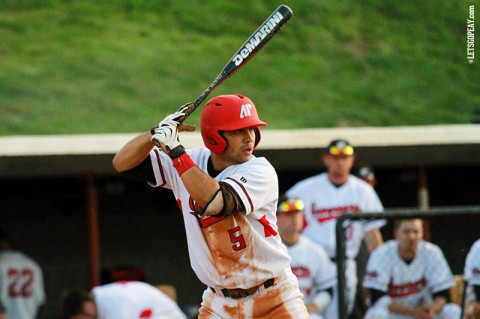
[(411, 283)]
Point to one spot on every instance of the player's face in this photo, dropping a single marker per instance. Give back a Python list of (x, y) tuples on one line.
[(338, 167), (409, 234), (290, 223), (240, 145)]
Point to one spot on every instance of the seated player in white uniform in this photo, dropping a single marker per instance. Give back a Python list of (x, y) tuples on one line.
[(409, 278), (120, 300), (310, 263), (472, 276), (228, 200)]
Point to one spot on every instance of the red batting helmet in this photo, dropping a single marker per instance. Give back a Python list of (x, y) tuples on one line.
[(227, 113)]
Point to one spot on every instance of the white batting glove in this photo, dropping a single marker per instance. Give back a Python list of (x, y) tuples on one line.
[(165, 135)]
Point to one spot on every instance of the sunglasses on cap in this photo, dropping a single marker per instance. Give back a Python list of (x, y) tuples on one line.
[(344, 150), (291, 205)]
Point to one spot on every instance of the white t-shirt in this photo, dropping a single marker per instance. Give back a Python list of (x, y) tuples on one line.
[(21, 283), (324, 203), (134, 300), (241, 250)]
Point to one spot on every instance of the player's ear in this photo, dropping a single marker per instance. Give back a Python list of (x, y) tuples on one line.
[(352, 162), (323, 158), (396, 234)]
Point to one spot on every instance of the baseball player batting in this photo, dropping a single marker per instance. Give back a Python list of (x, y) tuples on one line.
[(228, 200)]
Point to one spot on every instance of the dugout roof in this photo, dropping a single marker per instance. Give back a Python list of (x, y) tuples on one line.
[(295, 149)]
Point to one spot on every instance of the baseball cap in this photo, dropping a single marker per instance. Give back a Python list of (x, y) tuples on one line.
[(367, 174), (340, 147), (290, 205)]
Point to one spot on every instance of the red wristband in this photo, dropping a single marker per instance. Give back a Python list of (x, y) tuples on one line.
[(183, 163)]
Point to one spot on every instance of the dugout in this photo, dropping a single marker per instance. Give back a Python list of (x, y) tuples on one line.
[(64, 205), (462, 220)]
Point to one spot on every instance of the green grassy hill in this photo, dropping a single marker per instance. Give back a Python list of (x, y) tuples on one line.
[(120, 66)]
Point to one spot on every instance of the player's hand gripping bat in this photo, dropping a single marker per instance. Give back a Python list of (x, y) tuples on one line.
[(251, 47)]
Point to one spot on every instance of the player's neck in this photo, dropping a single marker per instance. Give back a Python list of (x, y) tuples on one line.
[(337, 180), (214, 166), (290, 239), (406, 254)]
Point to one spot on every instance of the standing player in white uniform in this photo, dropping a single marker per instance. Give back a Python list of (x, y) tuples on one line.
[(310, 263), (327, 196), (409, 278), (228, 199), (120, 300), (22, 292), (472, 276)]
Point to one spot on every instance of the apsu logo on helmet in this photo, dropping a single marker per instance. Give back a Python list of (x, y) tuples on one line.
[(245, 110)]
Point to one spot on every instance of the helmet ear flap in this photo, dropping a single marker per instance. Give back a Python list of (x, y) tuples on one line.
[(258, 136), (212, 141), (222, 144)]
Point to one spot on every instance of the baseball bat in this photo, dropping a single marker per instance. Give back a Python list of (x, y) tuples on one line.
[(251, 47)]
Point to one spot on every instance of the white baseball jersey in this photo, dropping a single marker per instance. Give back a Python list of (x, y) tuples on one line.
[(134, 300), (411, 284), (240, 250), (21, 283), (324, 203), (313, 268), (472, 268)]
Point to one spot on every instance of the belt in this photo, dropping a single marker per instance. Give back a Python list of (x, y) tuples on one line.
[(237, 293)]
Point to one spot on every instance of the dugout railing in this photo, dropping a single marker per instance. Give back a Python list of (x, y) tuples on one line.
[(391, 214)]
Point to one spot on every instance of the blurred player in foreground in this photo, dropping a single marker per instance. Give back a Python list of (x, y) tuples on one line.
[(310, 263), (327, 196), (409, 278), (22, 292), (120, 300), (228, 199), (472, 276)]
